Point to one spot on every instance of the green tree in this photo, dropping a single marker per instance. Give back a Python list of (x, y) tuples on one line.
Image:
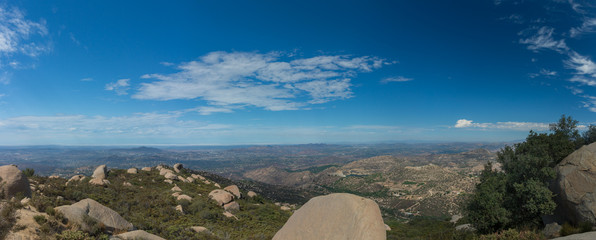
[(590, 134), (485, 208), (519, 195)]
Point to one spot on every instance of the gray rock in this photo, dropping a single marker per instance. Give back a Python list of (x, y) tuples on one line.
[(551, 230), (138, 235), (251, 194), (575, 185), (146, 169), (233, 189), (581, 236), (178, 167), (200, 229), (335, 216), (108, 217), (13, 182), (101, 172), (232, 207), (465, 227), (221, 197), (132, 171)]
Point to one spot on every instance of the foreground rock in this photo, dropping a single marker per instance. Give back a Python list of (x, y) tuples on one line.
[(138, 234), (581, 236), (13, 182), (335, 216), (30, 228), (575, 186), (88, 207)]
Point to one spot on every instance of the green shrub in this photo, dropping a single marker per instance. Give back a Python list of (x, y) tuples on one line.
[(73, 235), (29, 172)]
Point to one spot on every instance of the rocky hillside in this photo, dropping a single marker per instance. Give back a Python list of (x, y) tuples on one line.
[(165, 203)]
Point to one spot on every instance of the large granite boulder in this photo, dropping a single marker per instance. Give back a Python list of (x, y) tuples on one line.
[(78, 211), (575, 186), (138, 235), (221, 196), (335, 216), (101, 172), (233, 189), (13, 182)]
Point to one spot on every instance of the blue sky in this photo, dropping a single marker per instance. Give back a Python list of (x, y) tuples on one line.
[(267, 72)]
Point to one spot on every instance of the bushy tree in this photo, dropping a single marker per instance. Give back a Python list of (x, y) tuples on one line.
[(485, 208), (519, 195), (590, 134)]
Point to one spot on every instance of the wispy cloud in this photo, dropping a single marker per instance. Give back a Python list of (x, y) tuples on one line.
[(543, 39), (518, 126), (268, 81), (396, 79), (120, 87), (19, 37), (588, 26), (514, 18), (135, 126), (87, 79), (544, 72)]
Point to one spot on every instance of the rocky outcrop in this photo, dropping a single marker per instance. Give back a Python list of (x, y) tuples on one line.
[(184, 197), (232, 207), (138, 235), (251, 194), (335, 216), (575, 186), (178, 167), (200, 229), (132, 170), (176, 188), (146, 169), (13, 182), (100, 172), (75, 178), (77, 213), (99, 176), (29, 228), (233, 189), (171, 176), (221, 197)]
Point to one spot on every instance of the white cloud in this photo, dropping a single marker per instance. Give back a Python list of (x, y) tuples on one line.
[(135, 125), (268, 81), (396, 79), (19, 37), (588, 26), (16, 31), (74, 39), (120, 86), (514, 18), (518, 126), (87, 79), (582, 64), (544, 72), (167, 64), (543, 39), (211, 110)]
